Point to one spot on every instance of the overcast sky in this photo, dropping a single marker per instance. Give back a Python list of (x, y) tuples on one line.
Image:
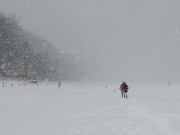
[(132, 40)]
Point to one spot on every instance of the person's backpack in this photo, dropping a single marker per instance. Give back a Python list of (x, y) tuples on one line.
[(125, 87)]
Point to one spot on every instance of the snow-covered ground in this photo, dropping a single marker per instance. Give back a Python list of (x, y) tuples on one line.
[(89, 109)]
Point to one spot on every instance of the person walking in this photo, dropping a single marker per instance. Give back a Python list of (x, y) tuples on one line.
[(124, 89), (121, 89)]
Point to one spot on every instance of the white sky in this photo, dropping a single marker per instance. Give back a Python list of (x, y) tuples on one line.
[(135, 40)]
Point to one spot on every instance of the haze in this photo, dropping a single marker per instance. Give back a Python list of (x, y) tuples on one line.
[(131, 40)]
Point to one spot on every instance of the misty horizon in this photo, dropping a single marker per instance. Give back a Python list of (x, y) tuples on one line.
[(117, 40)]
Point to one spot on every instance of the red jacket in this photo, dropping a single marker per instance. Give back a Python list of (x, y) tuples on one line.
[(121, 87)]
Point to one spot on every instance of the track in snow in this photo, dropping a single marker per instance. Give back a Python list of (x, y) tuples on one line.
[(76, 109)]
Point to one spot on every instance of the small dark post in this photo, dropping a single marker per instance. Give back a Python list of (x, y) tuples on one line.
[(169, 84), (59, 85), (3, 84)]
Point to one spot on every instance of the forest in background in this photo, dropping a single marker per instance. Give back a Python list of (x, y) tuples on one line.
[(27, 56)]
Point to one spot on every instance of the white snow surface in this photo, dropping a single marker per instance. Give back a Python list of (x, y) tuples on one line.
[(89, 109)]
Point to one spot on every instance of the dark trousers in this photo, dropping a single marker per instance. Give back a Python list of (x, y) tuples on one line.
[(124, 94)]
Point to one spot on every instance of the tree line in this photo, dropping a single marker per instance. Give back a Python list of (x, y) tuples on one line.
[(24, 55)]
